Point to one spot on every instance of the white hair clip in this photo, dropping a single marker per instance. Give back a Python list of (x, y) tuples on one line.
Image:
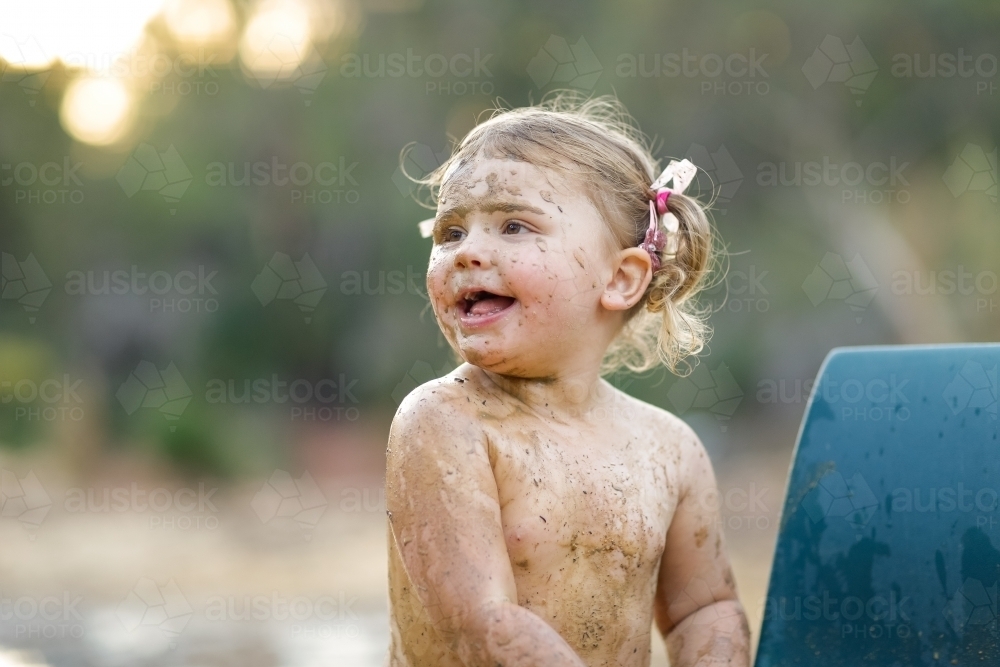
[(426, 227), (681, 172)]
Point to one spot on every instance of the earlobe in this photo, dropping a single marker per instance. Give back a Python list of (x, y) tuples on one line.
[(629, 281)]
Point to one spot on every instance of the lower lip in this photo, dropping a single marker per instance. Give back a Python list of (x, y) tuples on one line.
[(480, 321)]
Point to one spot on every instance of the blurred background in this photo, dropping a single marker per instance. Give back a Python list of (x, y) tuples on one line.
[(213, 283)]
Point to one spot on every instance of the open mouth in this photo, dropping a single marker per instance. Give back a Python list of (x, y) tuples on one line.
[(483, 304)]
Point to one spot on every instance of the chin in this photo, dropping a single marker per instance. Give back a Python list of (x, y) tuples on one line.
[(502, 361), (489, 357)]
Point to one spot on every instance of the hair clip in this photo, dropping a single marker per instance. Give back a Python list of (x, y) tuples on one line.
[(426, 228), (679, 174)]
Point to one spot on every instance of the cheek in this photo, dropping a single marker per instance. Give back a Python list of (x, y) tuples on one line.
[(555, 280), (437, 281)]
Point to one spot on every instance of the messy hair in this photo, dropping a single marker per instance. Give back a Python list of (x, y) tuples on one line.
[(596, 141)]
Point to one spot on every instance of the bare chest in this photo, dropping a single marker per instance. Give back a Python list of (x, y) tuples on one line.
[(569, 505)]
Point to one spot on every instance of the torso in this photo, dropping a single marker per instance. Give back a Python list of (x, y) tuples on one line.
[(585, 508)]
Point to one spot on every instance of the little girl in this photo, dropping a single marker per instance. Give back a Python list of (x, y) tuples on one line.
[(538, 516)]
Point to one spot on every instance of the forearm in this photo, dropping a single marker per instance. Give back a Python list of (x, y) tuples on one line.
[(716, 634), (507, 634)]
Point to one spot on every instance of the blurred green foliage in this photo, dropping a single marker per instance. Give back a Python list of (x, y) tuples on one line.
[(782, 232)]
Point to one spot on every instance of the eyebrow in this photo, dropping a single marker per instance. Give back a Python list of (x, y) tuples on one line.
[(489, 206)]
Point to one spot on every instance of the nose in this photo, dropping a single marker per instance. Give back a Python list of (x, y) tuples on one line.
[(476, 250)]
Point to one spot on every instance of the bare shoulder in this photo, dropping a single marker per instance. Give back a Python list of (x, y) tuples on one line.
[(438, 402), (672, 437), (438, 415), (672, 428)]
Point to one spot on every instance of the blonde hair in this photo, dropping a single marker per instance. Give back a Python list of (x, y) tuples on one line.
[(598, 141)]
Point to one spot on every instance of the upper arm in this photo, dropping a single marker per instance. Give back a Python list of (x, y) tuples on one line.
[(444, 512), (694, 569)]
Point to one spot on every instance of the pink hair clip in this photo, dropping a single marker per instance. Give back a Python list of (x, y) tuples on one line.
[(655, 239), (681, 173)]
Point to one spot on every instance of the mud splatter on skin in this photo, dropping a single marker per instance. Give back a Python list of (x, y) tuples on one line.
[(584, 556), (491, 182), (584, 503), (700, 536)]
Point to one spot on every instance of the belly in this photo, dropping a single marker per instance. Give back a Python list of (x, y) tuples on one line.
[(590, 573)]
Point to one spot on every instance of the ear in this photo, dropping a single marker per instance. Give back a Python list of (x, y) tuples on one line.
[(629, 281)]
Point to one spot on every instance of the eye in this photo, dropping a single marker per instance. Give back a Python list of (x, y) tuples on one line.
[(514, 227), (451, 235)]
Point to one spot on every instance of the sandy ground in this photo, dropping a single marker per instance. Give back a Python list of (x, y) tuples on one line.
[(233, 582)]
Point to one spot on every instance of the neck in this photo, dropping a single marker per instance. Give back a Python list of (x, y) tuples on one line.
[(575, 391)]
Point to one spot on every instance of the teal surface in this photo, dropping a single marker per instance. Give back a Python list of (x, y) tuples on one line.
[(889, 547)]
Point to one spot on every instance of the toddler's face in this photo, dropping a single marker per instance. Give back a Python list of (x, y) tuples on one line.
[(519, 263)]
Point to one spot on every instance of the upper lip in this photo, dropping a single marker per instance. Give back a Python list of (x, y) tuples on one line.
[(468, 292)]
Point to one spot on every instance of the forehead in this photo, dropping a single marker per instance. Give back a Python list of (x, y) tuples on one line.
[(484, 177)]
